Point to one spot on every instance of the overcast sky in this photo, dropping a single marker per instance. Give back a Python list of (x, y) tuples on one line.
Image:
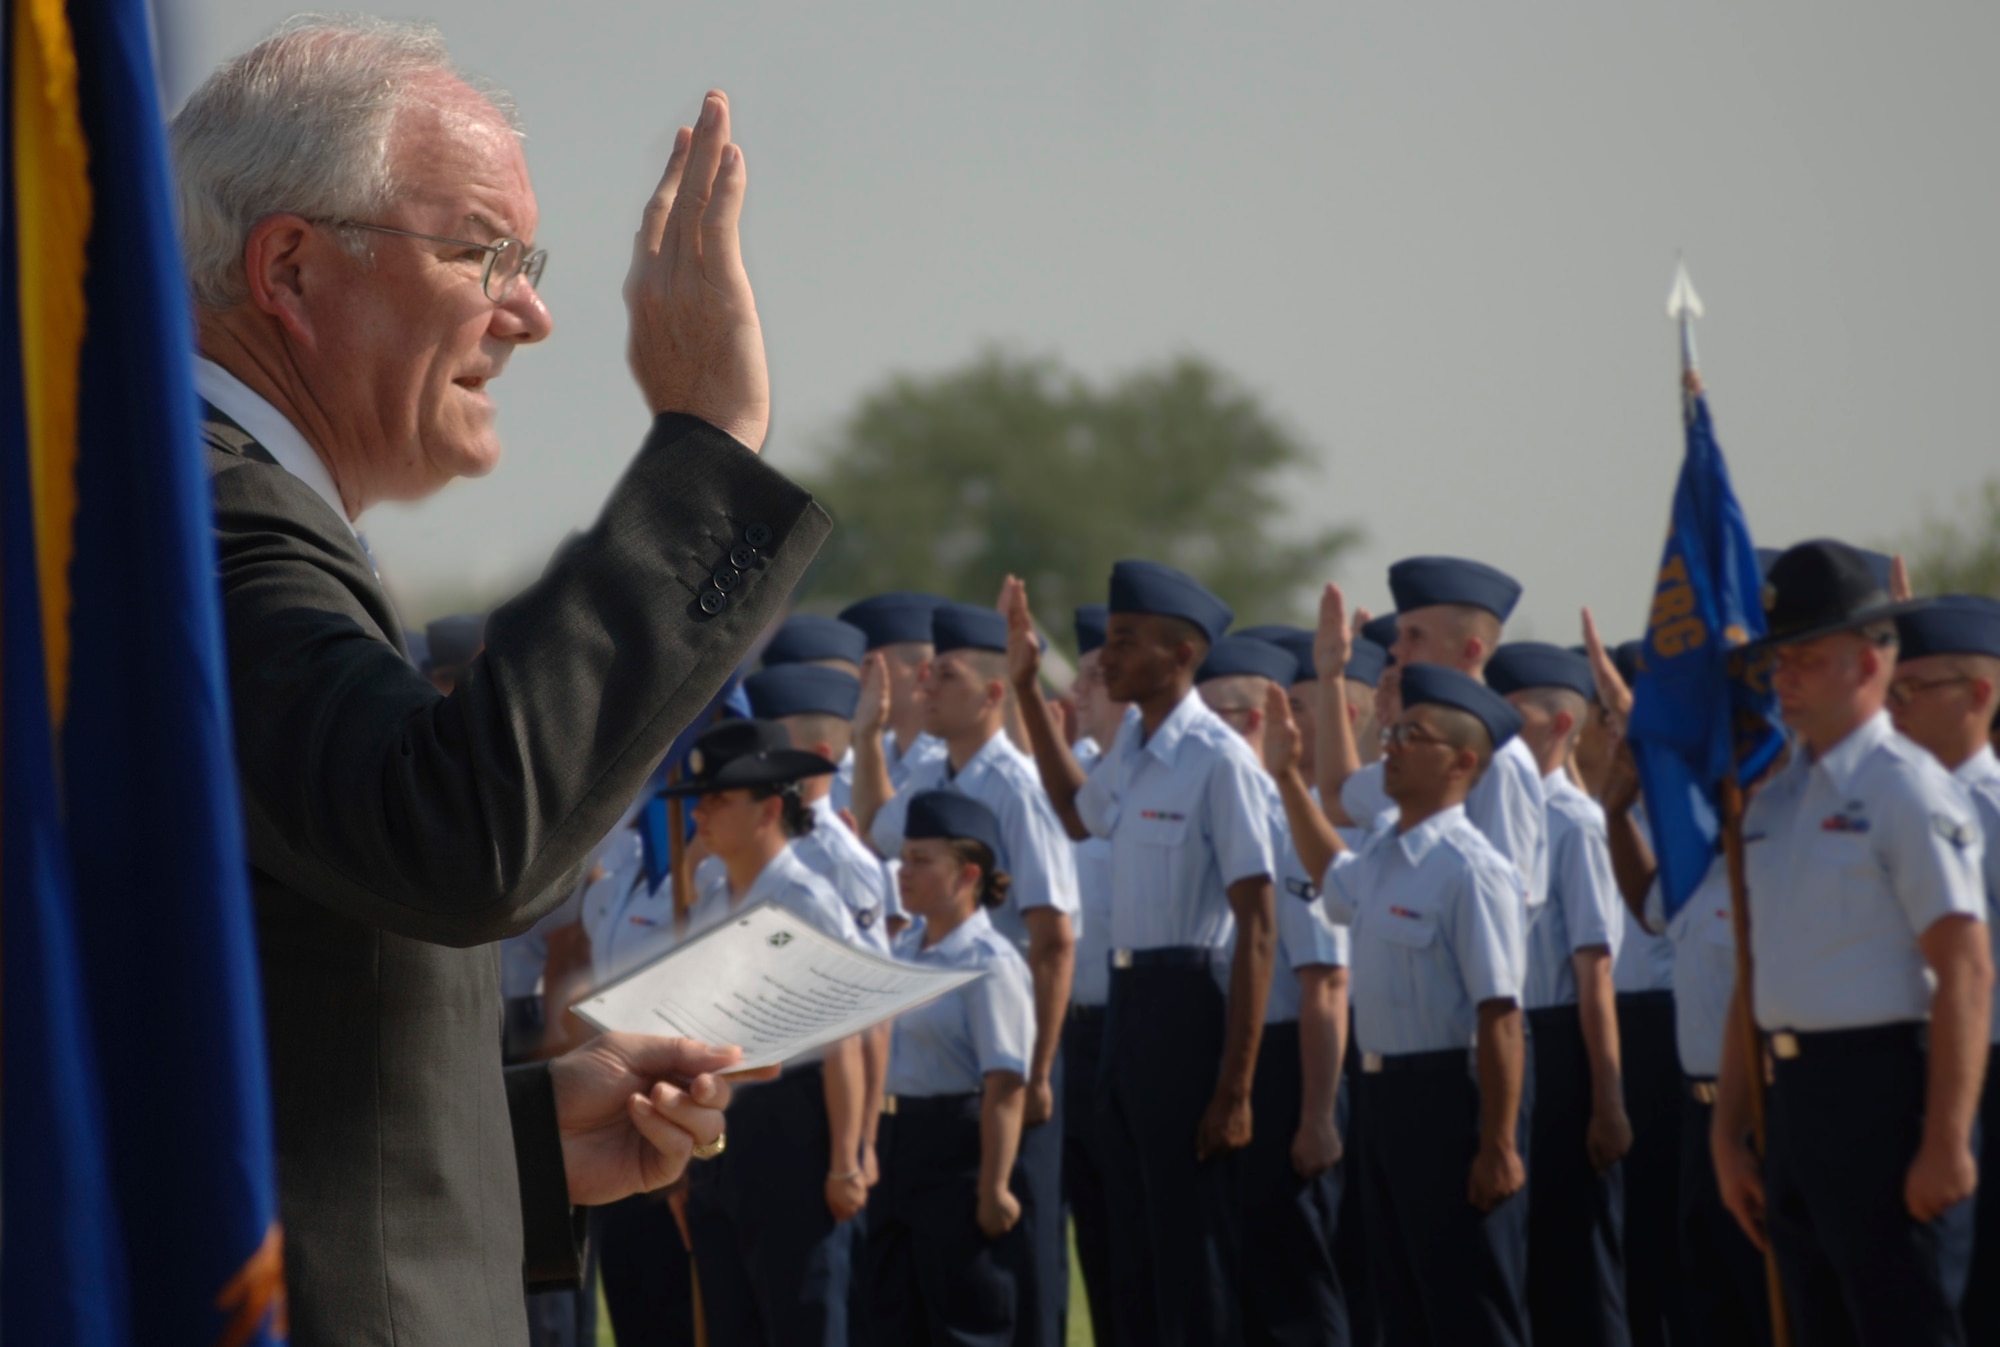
[(1436, 239)]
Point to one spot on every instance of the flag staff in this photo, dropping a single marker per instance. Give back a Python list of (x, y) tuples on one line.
[(1684, 306)]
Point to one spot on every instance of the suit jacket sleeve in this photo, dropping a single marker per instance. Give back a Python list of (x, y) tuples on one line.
[(460, 819)]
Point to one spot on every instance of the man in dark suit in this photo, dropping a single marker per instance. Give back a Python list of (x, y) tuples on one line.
[(353, 217)]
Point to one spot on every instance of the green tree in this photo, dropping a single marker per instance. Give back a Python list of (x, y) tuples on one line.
[(1018, 466), (1948, 556)]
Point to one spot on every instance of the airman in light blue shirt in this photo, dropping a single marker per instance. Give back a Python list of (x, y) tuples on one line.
[(947, 1046)]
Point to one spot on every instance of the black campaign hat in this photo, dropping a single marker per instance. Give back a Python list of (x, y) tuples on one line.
[(740, 753), (1820, 587)]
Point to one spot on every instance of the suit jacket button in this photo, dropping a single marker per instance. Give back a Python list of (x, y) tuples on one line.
[(725, 578), (712, 601), (757, 535), (741, 557)]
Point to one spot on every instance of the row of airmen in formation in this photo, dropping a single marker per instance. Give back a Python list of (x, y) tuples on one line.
[(1327, 988)]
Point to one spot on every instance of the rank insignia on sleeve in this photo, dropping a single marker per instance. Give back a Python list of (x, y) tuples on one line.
[(1952, 831), (865, 918)]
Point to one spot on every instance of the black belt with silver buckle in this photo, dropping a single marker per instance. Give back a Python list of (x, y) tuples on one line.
[(1834, 1044), (1398, 1063), (916, 1105), (1167, 956), (1702, 1091)]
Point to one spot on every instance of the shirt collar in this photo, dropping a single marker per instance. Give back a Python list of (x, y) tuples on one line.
[(1842, 760), (1418, 841), (959, 940), (822, 812), (1166, 740), (1981, 766), (783, 869), (268, 426), (981, 762)]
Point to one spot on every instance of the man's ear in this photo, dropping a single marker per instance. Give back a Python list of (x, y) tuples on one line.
[(278, 262), (1257, 718), (1562, 722), (824, 749)]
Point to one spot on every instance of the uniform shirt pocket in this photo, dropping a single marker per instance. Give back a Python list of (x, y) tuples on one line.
[(1850, 857), (1159, 827), (1407, 927)]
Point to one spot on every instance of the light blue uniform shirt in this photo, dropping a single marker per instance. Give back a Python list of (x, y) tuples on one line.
[(924, 748), (835, 854), (1186, 818), (1437, 915), (946, 1046), (621, 916), (1584, 908), (841, 792), (1851, 857), (786, 883), (1980, 775), (1505, 803), (1645, 959), (1307, 938), (1034, 850), (1090, 984), (1703, 936)]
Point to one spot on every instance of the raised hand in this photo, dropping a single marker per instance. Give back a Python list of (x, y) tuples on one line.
[(1024, 644), (1611, 690), (1283, 744), (1333, 643), (873, 709), (696, 346)]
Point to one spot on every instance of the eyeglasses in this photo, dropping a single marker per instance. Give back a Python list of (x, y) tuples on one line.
[(1906, 690), (1406, 732), (507, 260)]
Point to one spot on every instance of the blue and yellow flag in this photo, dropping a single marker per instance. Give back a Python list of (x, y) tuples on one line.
[(1703, 707), (136, 1174)]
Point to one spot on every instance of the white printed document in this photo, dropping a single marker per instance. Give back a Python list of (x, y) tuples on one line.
[(767, 982)]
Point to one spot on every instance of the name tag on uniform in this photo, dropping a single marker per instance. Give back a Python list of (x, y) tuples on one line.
[(1162, 816), (1843, 823)]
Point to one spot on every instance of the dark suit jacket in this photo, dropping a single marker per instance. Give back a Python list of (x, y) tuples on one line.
[(395, 834)]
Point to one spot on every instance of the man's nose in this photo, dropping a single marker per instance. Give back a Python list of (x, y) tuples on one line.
[(522, 318)]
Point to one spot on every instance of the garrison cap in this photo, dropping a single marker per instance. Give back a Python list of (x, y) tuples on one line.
[(1536, 664), (731, 754), (893, 619), (1090, 619), (1381, 630), (1365, 662), (965, 626), (805, 637), (454, 640), (802, 690), (1296, 640), (1435, 685), (953, 816), (1162, 591), (1240, 656), (1421, 582), (1951, 624), (1820, 587), (1629, 657)]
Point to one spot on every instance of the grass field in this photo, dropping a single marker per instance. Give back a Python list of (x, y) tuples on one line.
[(1079, 1313)]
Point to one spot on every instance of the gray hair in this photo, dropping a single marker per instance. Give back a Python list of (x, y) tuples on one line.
[(301, 123)]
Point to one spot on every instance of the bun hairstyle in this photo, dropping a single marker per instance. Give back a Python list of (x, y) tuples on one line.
[(796, 816), (993, 881)]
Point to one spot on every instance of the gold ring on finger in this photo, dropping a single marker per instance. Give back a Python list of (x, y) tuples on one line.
[(708, 1150)]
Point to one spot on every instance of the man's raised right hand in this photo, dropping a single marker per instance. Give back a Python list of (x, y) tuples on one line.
[(696, 346)]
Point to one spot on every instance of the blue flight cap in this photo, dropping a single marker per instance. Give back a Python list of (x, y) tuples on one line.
[(1162, 591), (805, 637), (1951, 624), (1297, 640), (1421, 582), (1434, 684), (1536, 664), (1365, 662), (1246, 656), (893, 619), (1628, 657), (1381, 630), (455, 640), (802, 690), (955, 817), (1090, 620), (965, 626)]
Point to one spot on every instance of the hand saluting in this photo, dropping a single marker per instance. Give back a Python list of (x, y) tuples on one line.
[(696, 346)]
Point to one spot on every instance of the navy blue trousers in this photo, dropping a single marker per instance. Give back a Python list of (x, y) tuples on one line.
[(1846, 1117), (1291, 1288), (1042, 1254), (931, 1277), (1446, 1274), (1350, 1244), (1176, 1229), (1654, 1299), (774, 1267), (1576, 1216), (1728, 1303), (1082, 1173), (648, 1282), (1982, 1292)]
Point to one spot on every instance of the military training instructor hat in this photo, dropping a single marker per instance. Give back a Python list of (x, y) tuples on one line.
[(1161, 591), (745, 753), (1435, 685), (1821, 587)]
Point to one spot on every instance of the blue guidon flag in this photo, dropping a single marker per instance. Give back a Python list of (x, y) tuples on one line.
[(137, 1183), (1703, 707)]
